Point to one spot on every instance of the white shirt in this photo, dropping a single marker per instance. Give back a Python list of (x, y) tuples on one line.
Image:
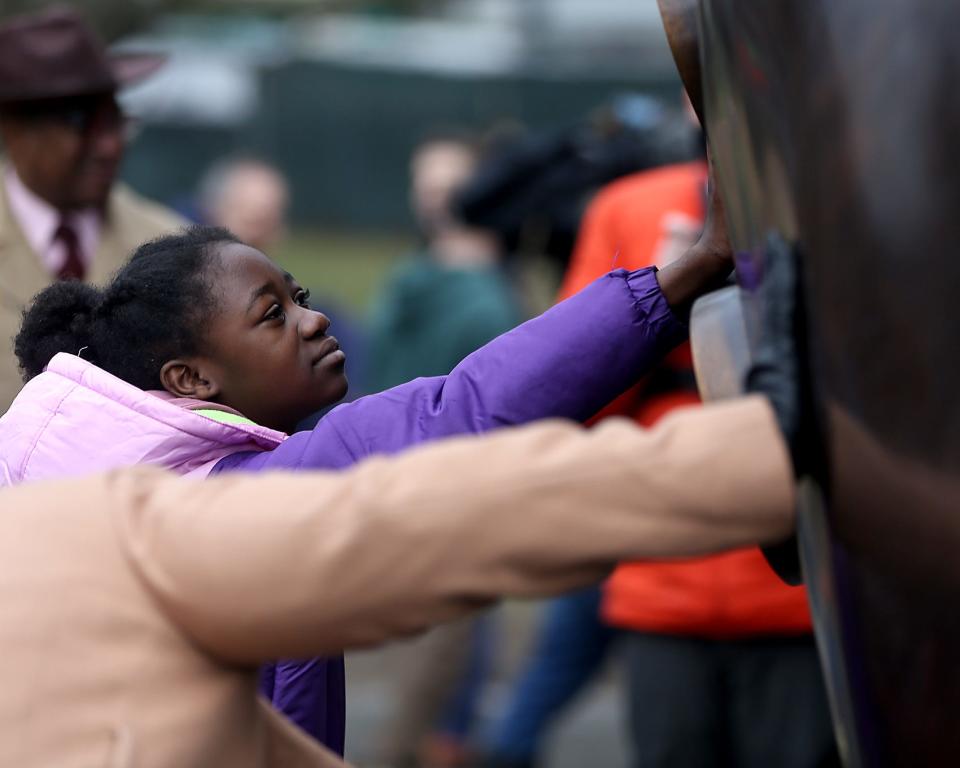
[(39, 220)]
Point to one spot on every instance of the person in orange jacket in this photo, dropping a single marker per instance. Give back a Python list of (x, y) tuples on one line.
[(721, 664)]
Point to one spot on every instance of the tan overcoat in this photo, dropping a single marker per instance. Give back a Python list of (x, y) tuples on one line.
[(129, 221), (135, 606)]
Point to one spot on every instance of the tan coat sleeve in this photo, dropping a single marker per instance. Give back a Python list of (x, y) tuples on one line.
[(285, 565)]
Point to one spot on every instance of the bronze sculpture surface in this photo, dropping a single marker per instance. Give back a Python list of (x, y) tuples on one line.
[(834, 128)]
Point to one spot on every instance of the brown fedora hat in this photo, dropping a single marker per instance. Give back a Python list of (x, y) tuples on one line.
[(55, 54)]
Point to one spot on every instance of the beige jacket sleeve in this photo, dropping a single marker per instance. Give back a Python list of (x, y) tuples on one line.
[(261, 567)]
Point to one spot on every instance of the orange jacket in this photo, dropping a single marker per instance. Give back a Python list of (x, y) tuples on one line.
[(644, 219)]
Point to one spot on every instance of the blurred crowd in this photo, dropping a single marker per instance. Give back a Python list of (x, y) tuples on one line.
[(715, 658)]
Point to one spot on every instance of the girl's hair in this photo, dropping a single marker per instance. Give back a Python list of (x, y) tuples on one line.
[(151, 312)]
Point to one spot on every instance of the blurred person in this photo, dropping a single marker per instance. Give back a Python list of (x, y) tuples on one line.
[(249, 197), (721, 664), (572, 642), (202, 356), (453, 295), (533, 185), (137, 606), (62, 214), (447, 300)]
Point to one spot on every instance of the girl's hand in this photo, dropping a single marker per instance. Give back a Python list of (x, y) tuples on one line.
[(706, 265)]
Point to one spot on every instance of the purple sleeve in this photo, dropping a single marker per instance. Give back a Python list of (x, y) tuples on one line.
[(567, 363), (313, 694)]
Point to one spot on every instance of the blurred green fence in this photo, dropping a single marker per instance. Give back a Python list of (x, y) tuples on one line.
[(343, 134)]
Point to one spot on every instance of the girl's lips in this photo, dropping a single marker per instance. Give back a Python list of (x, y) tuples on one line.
[(330, 351), (333, 358)]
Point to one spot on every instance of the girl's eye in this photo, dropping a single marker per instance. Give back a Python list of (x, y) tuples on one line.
[(302, 298), (274, 313)]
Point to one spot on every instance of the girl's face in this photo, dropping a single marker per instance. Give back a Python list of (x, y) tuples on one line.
[(269, 355)]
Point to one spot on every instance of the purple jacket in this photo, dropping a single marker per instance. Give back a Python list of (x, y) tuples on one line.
[(569, 362)]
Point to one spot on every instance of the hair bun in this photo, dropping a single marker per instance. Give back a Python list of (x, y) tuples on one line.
[(59, 319)]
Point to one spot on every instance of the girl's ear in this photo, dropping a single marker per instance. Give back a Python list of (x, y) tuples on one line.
[(185, 379)]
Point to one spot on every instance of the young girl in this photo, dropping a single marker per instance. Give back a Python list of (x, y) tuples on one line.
[(202, 356)]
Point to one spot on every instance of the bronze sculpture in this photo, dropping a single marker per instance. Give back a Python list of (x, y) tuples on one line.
[(832, 128)]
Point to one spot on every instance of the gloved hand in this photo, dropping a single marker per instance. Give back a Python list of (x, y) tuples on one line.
[(780, 373), (779, 370)]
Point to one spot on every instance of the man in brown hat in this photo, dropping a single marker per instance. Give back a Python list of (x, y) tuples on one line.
[(62, 214)]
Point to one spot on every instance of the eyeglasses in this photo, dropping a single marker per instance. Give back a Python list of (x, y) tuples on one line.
[(85, 118), (88, 122)]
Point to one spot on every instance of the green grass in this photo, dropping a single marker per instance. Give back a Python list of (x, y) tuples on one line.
[(349, 267)]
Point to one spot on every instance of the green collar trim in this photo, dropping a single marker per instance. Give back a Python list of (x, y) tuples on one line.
[(224, 417)]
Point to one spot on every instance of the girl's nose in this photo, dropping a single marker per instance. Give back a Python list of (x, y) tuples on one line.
[(313, 324)]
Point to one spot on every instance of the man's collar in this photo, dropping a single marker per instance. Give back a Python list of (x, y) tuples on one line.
[(38, 219)]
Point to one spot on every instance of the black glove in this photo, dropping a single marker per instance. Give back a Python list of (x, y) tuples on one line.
[(775, 372), (780, 373)]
